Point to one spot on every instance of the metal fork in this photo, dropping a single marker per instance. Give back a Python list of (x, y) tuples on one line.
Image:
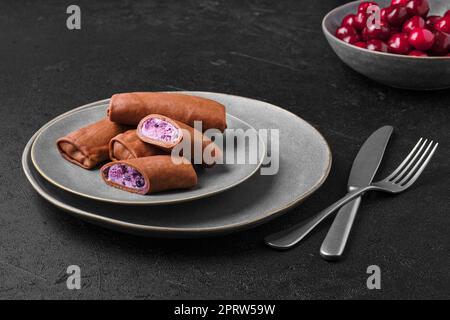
[(398, 181)]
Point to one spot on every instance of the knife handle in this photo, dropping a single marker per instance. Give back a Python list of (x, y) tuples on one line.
[(334, 244)]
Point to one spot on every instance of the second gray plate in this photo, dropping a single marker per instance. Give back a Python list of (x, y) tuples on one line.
[(88, 183), (304, 164)]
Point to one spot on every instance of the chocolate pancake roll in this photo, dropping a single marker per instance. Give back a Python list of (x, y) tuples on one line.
[(130, 108), (89, 146), (149, 174), (127, 145), (166, 133)]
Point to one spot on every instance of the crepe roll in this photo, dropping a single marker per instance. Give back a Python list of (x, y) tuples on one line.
[(149, 174), (89, 146), (130, 108), (127, 145), (166, 133)]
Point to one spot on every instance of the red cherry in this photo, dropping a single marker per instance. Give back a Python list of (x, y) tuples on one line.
[(360, 21), (395, 30), (361, 44), (343, 32), (447, 13), (396, 15), (366, 4), (418, 7), (349, 21), (377, 45), (353, 38), (421, 39), (401, 2), (431, 22), (399, 44), (414, 22), (417, 53), (372, 32), (383, 14), (441, 44), (443, 24)]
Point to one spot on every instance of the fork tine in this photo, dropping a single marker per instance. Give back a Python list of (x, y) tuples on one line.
[(405, 177), (400, 167), (411, 162), (422, 167)]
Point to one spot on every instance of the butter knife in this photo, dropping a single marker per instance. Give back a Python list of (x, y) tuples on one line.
[(363, 170)]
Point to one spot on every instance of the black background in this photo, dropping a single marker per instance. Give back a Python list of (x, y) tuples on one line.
[(267, 50)]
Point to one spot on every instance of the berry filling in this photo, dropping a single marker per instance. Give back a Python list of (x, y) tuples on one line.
[(158, 129), (124, 175)]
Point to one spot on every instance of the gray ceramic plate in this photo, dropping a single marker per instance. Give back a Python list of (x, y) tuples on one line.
[(88, 183), (305, 161)]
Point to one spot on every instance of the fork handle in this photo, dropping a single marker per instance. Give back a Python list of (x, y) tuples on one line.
[(288, 238)]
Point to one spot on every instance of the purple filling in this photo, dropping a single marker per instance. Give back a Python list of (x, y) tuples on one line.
[(126, 176), (157, 129)]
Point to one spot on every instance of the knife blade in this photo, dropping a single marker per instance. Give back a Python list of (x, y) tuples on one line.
[(362, 173)]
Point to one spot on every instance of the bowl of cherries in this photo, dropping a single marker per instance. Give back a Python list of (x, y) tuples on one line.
[(400, 43)]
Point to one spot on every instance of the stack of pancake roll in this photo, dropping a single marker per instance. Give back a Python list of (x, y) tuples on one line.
[(140, 134)]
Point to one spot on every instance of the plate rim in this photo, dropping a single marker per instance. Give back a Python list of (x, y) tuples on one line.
[(156, 230), (261, 154)]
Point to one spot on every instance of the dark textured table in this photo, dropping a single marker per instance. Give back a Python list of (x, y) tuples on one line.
[(270, 51)]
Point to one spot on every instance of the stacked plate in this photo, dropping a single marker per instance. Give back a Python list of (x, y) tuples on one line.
[(229, 197)]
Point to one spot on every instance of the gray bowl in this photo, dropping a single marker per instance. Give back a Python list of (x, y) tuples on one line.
[(406, 72)]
